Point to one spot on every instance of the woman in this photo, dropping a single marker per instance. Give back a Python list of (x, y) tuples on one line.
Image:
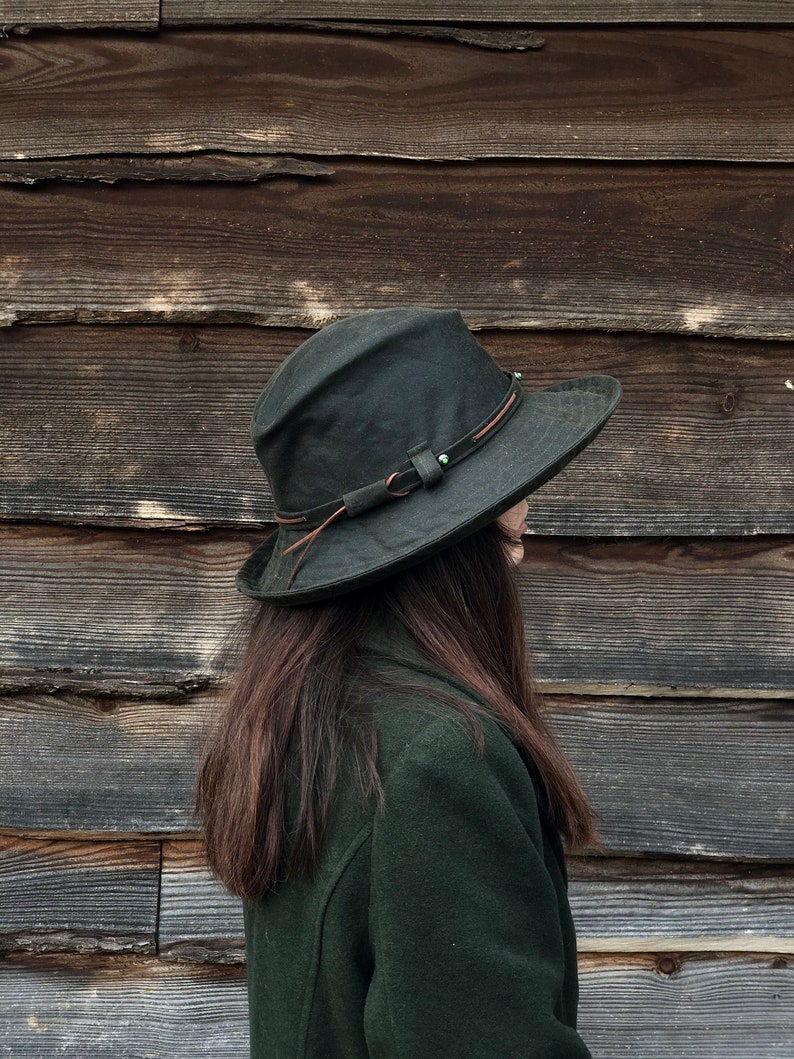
[(383, 790)]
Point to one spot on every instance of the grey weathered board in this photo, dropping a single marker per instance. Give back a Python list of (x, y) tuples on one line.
[(618, 904), (143, 14), (102, 896), (21, 15), (221, 11), (720, 784), (148, 426), (636, 904), (121, 1007), (649, 93), (692, 1006), (697, 249), (612, 616), (57, 894)]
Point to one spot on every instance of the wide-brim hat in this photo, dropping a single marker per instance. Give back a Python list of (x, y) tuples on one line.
[(392, 434)]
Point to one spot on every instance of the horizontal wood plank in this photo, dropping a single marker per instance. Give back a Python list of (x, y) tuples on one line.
[(628, 617), (66, 895), (720, 785), (98, 766), (682, 777), (618, 904), (152, 428), (61, 895), (700, 249), (103, 684), (622, 904), (175, 12), (121, 1007), (22, 15), (617, 93), (691, 1006)]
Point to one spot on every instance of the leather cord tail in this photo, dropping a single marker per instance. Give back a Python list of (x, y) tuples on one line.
[(309, 540)]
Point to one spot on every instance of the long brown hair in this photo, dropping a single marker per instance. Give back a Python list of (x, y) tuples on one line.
[(288, 708)]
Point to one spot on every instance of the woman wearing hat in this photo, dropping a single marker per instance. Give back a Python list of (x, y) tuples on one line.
[(382, 789)]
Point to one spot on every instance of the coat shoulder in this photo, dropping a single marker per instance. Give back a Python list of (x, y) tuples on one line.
[(422, 748), (428, 712)]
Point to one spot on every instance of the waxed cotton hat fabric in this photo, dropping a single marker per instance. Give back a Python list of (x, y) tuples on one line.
[(343, 412)]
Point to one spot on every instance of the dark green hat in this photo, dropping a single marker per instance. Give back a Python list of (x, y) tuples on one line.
[(392, 434)]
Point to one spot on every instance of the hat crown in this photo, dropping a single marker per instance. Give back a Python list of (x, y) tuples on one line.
[(345, 407)]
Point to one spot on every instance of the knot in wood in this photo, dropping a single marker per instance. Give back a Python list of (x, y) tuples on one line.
[(729, 402), (668, 965)]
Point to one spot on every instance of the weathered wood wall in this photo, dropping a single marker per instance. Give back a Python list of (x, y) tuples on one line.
[(607, 192)]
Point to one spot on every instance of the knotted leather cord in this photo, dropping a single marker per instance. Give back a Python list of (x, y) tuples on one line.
[(411, 477)]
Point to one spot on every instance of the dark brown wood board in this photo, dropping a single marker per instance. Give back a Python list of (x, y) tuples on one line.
[(720, 785), (631, 617), (672, 1007), (149, 426), (641, 616), (617, 93), (696, 249), (181, 11)]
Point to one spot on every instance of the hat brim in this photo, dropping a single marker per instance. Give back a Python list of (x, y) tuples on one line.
[(548, 430)]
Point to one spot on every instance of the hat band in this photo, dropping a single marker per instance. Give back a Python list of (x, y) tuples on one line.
[(421, 472), (422, 468)]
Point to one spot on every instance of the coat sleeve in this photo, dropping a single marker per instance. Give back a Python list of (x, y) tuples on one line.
[(464, 918)]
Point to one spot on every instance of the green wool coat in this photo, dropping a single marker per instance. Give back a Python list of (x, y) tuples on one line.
[(438, 928)]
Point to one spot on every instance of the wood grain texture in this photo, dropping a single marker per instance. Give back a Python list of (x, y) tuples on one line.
[(62, 895), (686, 777), (120, 1007), (100, 766), (184, 11), (631, 904), (720, 785), (617, 93), (80, 896), (700, 249), (19, 16), (502, 37), (199, 918), (152, 428), (102, 684), (626, 617), (619, 904), (688, 1006)]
